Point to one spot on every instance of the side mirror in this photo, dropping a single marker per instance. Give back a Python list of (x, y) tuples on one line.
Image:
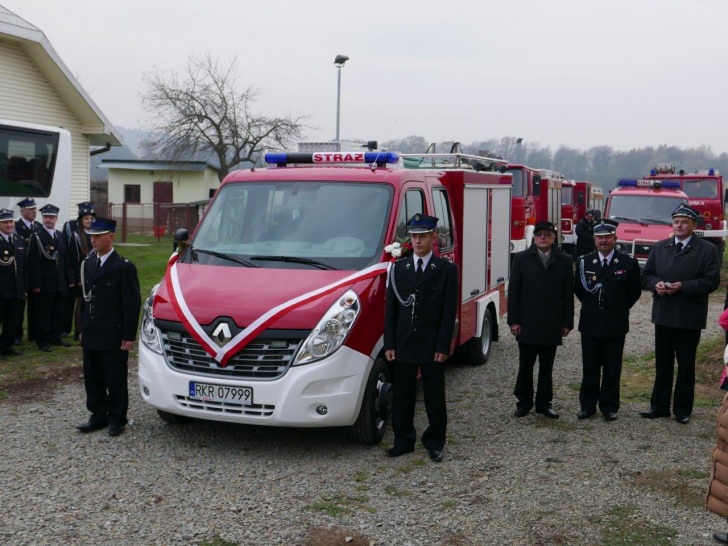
[(181, 236)]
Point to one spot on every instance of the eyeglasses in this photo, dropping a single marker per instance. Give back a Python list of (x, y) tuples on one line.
[(543, 234)]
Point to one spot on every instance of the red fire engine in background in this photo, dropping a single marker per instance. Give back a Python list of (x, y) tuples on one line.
[(705, 194), (577, 197), (536, 196)]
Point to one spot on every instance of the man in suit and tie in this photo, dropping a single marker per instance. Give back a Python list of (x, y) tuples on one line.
[(25, 226), (49, 275), (12, 282), (112, 301), (607, 285), (420, 312), (680, 272)]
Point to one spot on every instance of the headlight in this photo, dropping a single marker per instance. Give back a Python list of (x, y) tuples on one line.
[(149, 333), (331, 331)]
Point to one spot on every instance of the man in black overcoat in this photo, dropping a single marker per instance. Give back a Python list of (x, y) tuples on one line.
[(12, 282), (680, 272), (25, 226), (49, 275), (607, 284), (420, 312), (112, 301), (585, 233), (540, 314)]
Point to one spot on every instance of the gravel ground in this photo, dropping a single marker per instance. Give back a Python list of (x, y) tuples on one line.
[(503, 481)]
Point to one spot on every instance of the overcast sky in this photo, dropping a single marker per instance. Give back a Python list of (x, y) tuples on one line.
[(625, 73)]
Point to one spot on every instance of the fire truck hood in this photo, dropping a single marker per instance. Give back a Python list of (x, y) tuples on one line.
[(244, 294)]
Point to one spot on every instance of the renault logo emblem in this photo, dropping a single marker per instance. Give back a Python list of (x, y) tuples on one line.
[(221, 335)]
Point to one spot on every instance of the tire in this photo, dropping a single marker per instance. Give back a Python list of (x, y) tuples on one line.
[(477, 350), (371, 424), (173, 418)]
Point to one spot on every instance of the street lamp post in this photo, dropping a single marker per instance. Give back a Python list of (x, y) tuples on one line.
[(339, 63)]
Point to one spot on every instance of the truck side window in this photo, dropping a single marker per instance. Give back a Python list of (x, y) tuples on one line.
[(412, 203), (442, 211)]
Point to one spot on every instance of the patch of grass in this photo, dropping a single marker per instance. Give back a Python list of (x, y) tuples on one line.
[(321, 536), (677, 483), (450, 503), (624, 527), (335, 506)]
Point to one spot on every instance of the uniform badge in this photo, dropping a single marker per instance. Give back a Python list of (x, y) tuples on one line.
[(5, 252), (50, 249)]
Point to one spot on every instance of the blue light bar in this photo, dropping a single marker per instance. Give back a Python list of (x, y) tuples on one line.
[(627, 182), (643, 183), (324, 158), (711, 171)]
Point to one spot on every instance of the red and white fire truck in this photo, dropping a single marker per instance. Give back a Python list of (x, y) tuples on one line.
[(705, 194), (643, 209), (272, 314), (577, 197), (536, 196)]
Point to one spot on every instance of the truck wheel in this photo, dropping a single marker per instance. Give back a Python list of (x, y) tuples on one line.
[(477, 350), (371, 424), (173, 418)]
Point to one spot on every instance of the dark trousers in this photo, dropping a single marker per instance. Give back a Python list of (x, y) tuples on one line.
[(9, 313), (670, 344), (601, 358), (70, 298), (47, 317), (26, 303), (107, 393), (403, 404), (527, 355)]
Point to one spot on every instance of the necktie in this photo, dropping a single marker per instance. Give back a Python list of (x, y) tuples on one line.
[(605, 263), (419, 267), (98, 263), (678, 246)]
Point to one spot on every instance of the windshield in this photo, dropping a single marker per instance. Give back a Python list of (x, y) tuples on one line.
[(700, 189), (567, 195), (518, 189), (324, 225), (647, 208)]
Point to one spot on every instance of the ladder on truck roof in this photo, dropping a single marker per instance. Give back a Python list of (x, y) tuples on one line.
[(454, 159)]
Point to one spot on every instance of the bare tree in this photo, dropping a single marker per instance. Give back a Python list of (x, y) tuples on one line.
[(203, 112)]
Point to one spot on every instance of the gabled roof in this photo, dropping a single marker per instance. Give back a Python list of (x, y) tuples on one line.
[(156, 165), (95, 125)]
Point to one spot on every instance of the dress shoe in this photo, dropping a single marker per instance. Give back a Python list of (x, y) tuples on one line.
[(45, 348), (652, 414), (435, 455), (721, 537), (398, 451), (610, 416), (11, 351), (521, 412), (91, 427), (116, 430), (61, 342), (583, 414), (548, 412), (684, 420)]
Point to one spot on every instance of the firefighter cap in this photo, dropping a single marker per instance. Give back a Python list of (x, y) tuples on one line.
[(544, 225), (421, 223), (6, 214), (27, 203), (87, 207), (102, 225), (49, 210), (686, 212), (605, 227)]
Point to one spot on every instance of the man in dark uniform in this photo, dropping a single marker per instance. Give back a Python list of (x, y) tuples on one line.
[(48, 277), (585, 234), (25, 226), (77, 241), (420, 312), (680, 272), (608, 285), (540, 314), (12, 282), (112, 302)]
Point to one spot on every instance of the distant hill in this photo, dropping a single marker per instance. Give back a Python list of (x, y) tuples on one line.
[(132, 139)]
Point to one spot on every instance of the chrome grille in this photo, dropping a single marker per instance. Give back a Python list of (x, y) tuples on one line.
[(230, 408), (262, 359)]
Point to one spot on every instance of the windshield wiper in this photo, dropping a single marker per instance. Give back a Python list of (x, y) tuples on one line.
[(656, 221), (633, 220), (222, 256), (293, 259)]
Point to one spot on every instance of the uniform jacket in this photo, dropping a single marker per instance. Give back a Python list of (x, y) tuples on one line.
[(697, 267), (12, 263), (717, 499), (24, 231), (605, 312), (47, 263), (111, 303), (76, 255), (584, 236), (541, 299), (419, 331)]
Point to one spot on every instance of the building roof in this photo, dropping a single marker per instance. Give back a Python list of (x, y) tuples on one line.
[(156, 165), (95, 125)]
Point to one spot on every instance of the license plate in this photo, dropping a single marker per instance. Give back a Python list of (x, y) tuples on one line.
[(221, 393)]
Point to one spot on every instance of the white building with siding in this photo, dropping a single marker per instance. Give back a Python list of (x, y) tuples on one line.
[(37, 87)]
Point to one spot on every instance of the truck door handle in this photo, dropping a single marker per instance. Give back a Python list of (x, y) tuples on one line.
[(474, 292)]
